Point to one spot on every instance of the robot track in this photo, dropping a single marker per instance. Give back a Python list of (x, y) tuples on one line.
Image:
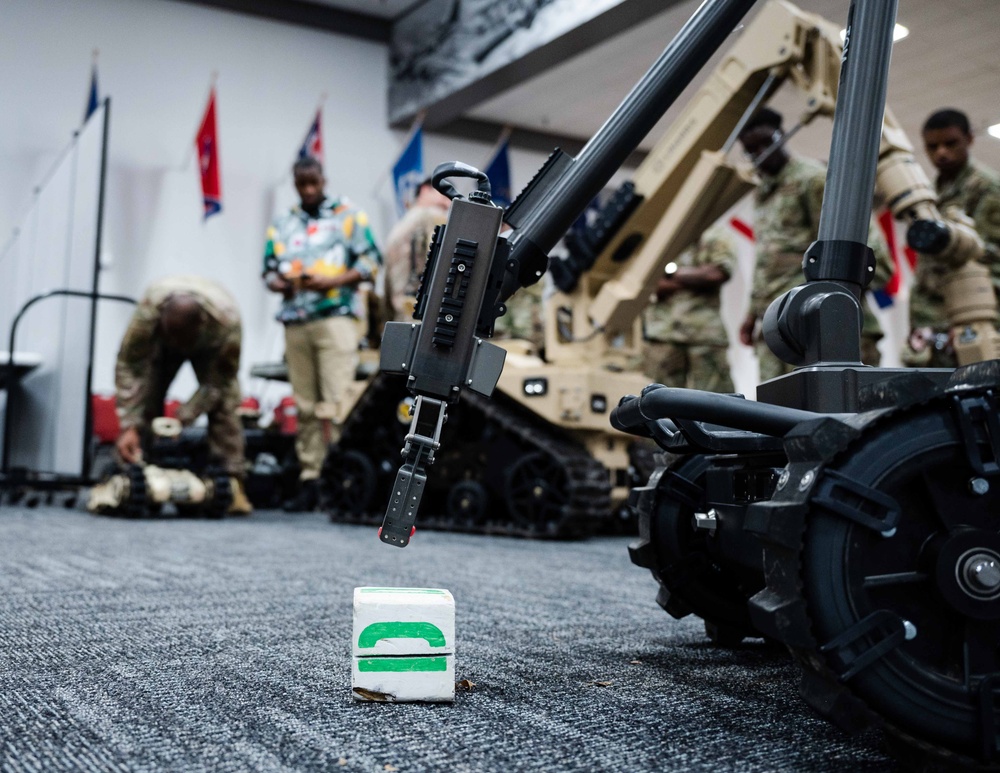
[(498, 471)]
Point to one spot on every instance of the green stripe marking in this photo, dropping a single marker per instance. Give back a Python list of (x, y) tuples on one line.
[(419, 591), (403, 664), (375, 632)]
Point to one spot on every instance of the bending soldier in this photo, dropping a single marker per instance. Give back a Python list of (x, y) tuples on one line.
[(184, 319)]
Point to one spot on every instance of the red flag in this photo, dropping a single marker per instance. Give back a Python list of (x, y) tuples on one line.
[(207, 147), (884, 296), (312, 145)]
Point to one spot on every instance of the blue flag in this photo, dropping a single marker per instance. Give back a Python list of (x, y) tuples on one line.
[(92, 99), (312, 145), (498, 170), (408, 171)]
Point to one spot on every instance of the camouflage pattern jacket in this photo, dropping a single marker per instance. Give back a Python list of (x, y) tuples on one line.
[(976, 192), (690, 316), (336, 241), (525, 316), (406, 256), (142, 347), (786, 221)]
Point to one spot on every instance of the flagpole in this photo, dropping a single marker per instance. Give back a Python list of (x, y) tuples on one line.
[(504, 136), (387, 172)]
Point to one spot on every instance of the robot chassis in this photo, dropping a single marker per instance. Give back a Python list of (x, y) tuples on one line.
[(850, 514), (142, 490)]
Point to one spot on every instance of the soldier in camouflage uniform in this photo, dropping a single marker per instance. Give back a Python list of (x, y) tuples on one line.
[(315, 257), (184, 319), (685, 340), (973, 189), (406, 248), (786, 221), (525, 317)]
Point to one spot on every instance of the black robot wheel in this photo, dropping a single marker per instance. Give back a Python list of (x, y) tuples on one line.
[(900, 569), (467, 503), (681, 559), (349, 479), (536, 492)]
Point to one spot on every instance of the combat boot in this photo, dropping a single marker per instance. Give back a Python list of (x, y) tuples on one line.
[(306, 500), (241, 503)]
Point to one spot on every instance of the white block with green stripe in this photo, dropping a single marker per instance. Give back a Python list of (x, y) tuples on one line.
[(404, 644)]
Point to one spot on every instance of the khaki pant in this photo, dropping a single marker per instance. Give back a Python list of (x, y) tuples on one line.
[(688, 366), (322, 356)]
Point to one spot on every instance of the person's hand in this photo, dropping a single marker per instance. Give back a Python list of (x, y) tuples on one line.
[(746, 330), (129, 446), (665, 287), (276, 283), (320, 284)]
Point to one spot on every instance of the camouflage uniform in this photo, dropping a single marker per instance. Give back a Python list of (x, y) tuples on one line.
[(406, 257), (976, 192), (146, 366), (685, 340), (321, 334), (525, 316), (786, 221)]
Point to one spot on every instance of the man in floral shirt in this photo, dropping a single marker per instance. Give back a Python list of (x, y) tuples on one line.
[(315, 257)]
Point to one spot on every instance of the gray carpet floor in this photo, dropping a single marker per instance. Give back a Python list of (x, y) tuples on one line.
[(168, 645)]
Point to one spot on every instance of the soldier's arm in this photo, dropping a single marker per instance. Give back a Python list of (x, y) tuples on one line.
[(132, 368), (700, 277), (812, 199), (216, 369), (714, 261), (986, 216)]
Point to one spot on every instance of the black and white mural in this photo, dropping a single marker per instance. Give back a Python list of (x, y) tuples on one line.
[(442, 46)]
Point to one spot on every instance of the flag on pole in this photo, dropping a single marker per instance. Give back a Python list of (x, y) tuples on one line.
[(885, 296), (207, 148), (498, 170), (92, 98), (312, 145), (408, 171)]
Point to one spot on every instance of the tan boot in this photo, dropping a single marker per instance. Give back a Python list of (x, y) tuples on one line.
[(241, 504)]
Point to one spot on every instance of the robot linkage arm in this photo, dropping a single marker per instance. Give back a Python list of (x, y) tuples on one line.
[(470, 271)]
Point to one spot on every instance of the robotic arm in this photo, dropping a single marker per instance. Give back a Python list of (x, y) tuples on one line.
[(471, 271)]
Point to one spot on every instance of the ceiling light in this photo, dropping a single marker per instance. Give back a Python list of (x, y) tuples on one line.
[(898, 33), (994, 131)]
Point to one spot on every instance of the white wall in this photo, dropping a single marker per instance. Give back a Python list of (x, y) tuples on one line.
[(156, 59)]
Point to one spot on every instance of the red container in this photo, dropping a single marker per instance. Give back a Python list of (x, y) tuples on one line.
[(286, 416), (106, 424)]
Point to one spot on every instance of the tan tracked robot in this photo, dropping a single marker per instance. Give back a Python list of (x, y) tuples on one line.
[(540, 459)]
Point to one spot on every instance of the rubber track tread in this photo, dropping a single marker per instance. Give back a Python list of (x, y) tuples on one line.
[(589, 489)]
